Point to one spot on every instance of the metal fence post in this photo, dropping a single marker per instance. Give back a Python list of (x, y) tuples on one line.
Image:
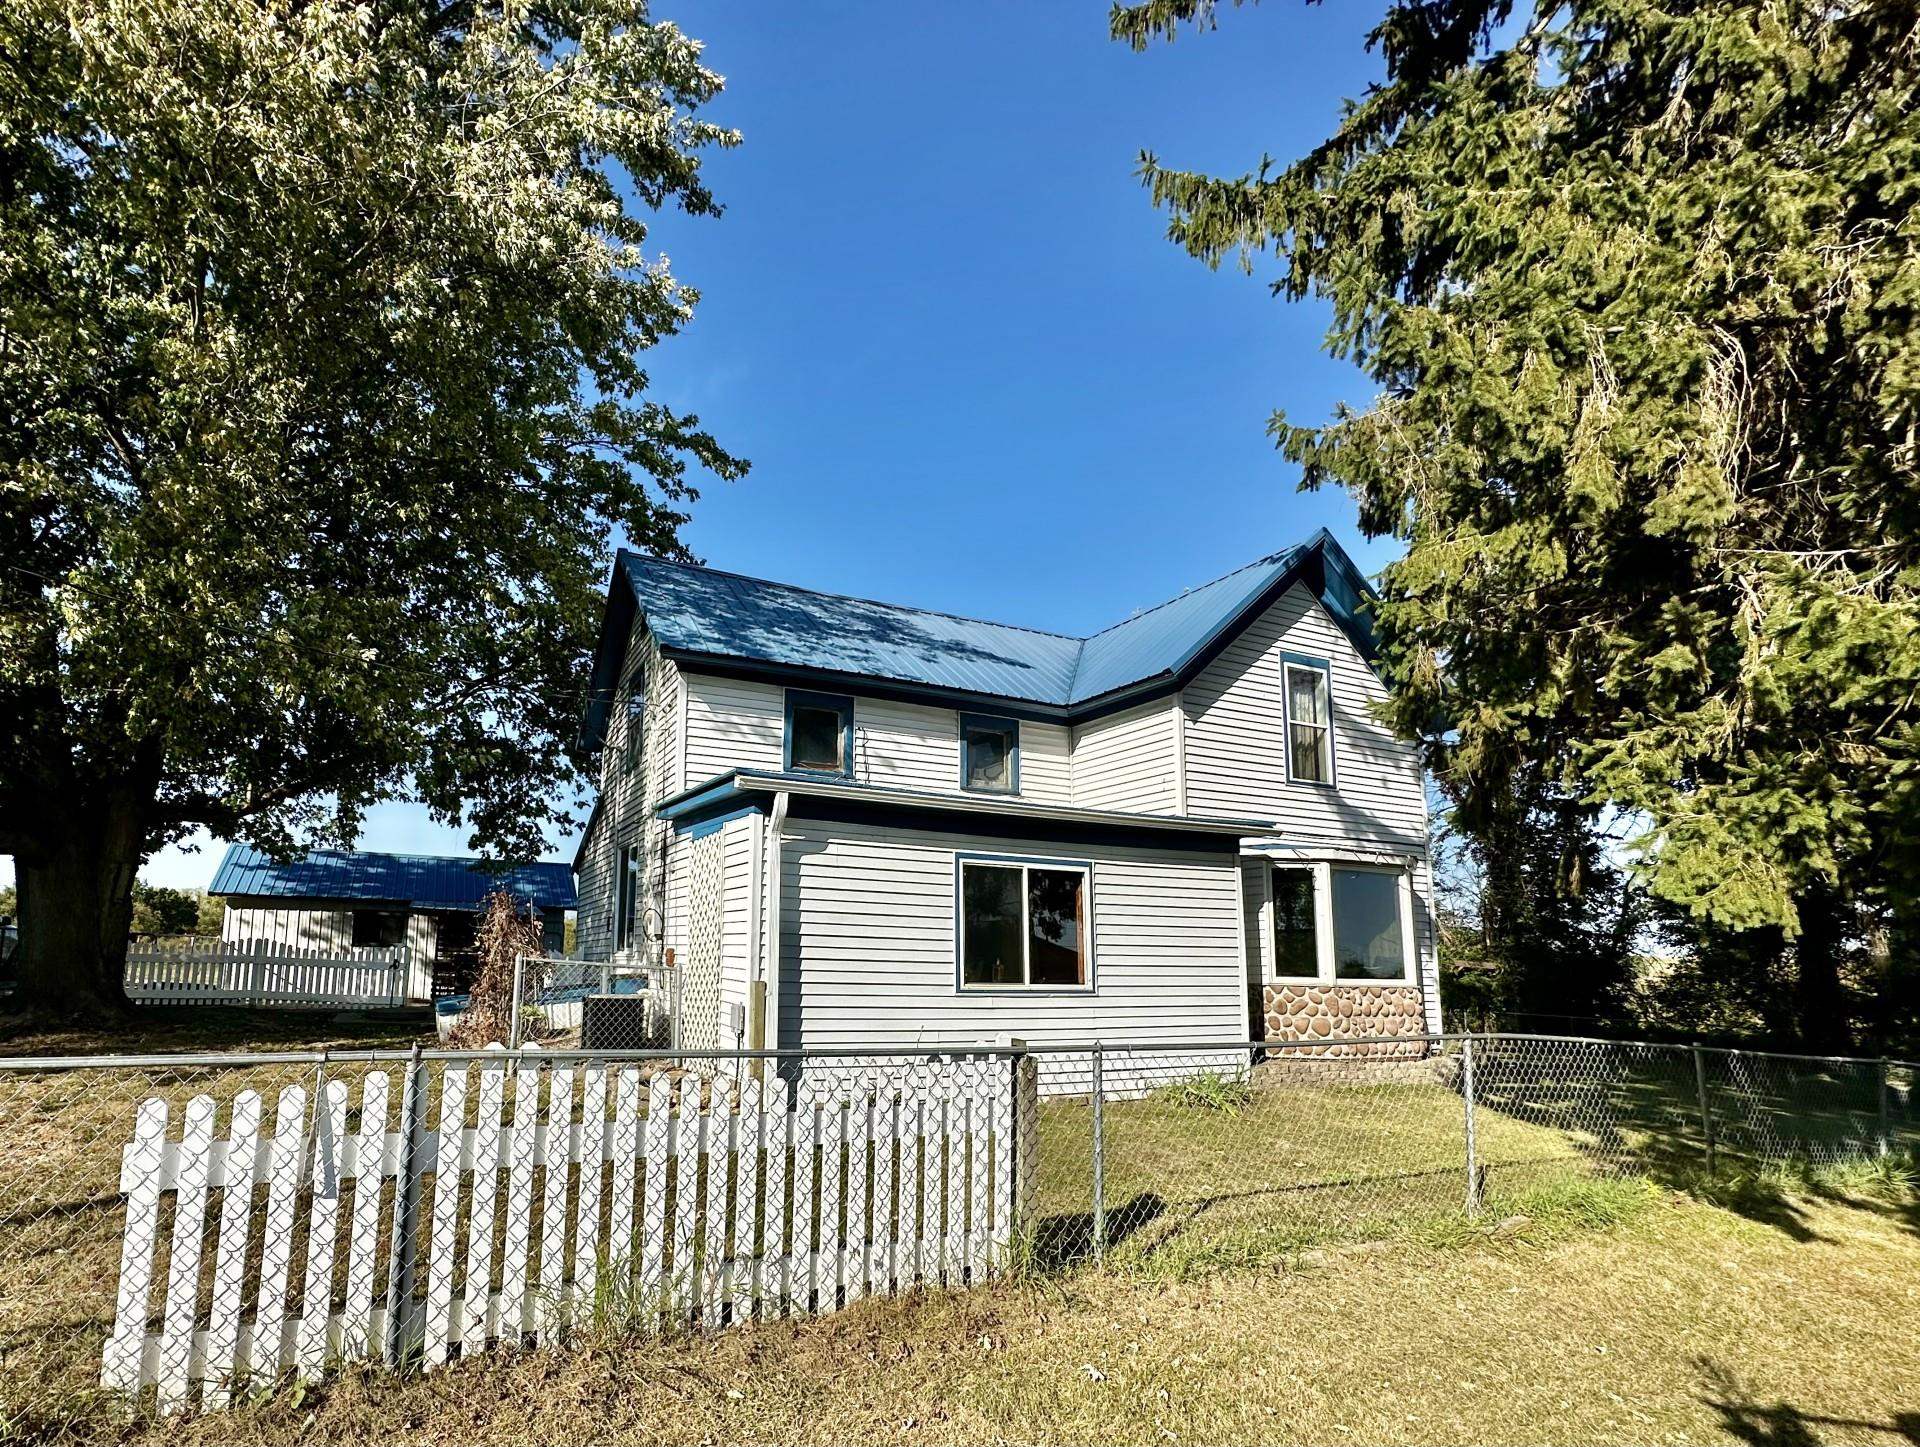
[(1706, 1111), (403, 1254), (1473, 1153), (1886, 1116), (1099, 1162), (513, 1010)]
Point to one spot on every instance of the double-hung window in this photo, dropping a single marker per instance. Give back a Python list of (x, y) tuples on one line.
[(1342, 923), (626, 919), (989, 754), (819, 738), (1024, 924), (1308, 689)]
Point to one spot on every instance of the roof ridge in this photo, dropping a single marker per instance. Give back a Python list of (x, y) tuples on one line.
[(393, 854), (850, 597), (1186, 592), (1080, 639)]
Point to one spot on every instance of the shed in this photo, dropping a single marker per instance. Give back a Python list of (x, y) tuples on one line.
[(343, 899)]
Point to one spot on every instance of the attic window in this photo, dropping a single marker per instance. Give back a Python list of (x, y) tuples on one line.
[(989, 754), (819, 733)]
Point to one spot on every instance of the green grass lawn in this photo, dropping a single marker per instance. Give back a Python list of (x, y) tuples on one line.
[(1674, 1320)]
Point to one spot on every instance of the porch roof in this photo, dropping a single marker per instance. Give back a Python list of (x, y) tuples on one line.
[(746, 789)]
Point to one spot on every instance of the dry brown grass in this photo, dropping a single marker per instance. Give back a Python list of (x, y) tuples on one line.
[(1688, 1322), (166, 1030)]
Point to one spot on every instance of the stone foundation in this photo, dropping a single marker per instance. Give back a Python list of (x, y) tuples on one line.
[(1344, 1020)]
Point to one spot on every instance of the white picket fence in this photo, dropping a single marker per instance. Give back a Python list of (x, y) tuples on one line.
[(695, 1202), (266, 972)]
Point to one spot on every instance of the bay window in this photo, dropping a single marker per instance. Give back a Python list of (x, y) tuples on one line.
[(1334, 923)]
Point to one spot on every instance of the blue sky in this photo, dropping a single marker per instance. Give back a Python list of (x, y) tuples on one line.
[(944, 323)]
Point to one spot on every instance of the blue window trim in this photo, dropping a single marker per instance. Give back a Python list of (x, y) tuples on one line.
[(960, 986), (1303, 660), (990, 721), (841, 703)]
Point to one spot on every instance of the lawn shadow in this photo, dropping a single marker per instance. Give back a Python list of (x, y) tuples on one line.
[(169, 1029), (1781, 1424), (1060, 1240)]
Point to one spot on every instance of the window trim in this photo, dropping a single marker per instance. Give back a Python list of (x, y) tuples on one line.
[(840, 703), (1306, 663), (1025, 861), (990, 721), (1322, 901), (1409, 975), (629, 864), (1327, 965)]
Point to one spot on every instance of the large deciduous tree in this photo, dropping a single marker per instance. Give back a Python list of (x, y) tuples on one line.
[(1637, 283), (319, 397)]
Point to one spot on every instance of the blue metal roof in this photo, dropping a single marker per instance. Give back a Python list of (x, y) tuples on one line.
[(424, 881), (703, 613), (700, 610)]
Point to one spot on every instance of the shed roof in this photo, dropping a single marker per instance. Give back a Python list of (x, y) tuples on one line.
[(702, 613), (423, 881)]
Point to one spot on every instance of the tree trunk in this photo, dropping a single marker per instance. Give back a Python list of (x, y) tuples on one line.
[(1819, 1001), (76, 907)]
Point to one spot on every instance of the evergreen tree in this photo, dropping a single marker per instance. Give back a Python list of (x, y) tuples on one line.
[(1637, 285)]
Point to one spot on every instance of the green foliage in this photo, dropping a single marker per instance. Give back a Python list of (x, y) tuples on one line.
[(323, 391), (1209, 1091), (1638, 287), (158, 910)]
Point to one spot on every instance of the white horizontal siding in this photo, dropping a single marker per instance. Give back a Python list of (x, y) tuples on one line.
[(1046, 763), (732, 724), (1236, 737), (1126, 761), (906, 745), (868, 944), (735, 724)]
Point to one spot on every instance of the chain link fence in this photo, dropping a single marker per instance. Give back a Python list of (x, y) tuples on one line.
[(177, 1225), (595, 1005)]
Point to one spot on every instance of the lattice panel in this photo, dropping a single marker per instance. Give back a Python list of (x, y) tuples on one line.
[(706, 862)]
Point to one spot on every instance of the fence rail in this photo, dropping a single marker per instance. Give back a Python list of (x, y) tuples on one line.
[(265, 972), (176, 1226)]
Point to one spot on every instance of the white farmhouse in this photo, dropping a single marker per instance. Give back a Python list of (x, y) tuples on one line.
[(852, 824)]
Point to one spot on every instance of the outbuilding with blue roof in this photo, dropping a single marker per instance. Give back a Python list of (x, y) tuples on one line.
[(343, 900)]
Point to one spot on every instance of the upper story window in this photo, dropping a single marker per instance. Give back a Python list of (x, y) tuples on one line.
[(1307, 685), (819, 736), (1023, 924), (636, 730), (989, 754)]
